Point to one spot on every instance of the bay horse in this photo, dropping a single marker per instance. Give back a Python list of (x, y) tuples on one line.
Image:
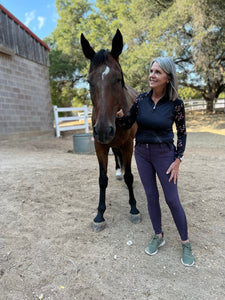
[(109, 94)]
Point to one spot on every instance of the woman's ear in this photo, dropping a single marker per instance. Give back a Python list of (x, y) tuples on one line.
[(168, 78)]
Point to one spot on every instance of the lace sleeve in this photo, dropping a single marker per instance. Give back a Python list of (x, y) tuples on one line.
[(181, 128)]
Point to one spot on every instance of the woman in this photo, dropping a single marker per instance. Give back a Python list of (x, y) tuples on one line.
[(155, 112)]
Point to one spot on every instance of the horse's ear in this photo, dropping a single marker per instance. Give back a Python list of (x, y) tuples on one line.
[(87, 49), (117, 45)]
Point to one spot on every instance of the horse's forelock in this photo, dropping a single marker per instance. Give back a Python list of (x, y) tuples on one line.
[(99, 59)]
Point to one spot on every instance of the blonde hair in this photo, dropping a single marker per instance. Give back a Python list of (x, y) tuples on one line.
[(168, 66)]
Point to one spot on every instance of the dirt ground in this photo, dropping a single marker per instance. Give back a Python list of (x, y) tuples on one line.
[(49, 197)]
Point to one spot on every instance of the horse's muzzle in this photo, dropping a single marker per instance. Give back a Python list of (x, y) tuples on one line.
[(104, 134)]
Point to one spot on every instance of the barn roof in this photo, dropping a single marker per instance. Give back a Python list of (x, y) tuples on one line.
[(23, 26)]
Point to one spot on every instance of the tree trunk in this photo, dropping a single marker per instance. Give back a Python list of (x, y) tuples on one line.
[(209, 105)]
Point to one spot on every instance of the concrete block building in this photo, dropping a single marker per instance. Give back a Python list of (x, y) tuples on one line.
[(25, 101)]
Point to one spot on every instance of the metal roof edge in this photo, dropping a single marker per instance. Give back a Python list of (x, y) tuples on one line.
[(24, 27)]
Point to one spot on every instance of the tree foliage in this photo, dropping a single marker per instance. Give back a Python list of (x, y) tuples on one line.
[(190, 31), (66, 57), (187, 93)]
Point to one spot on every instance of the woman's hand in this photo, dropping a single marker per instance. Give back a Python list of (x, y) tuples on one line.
[(174, 170), (120, 113)]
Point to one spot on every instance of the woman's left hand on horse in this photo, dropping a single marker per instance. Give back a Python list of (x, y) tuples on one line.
[(173, 171), (120, 113)]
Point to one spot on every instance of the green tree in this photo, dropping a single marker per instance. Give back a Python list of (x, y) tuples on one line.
[(64, 77), (66, 58), (190, 31), (201, 56), (188, 93)]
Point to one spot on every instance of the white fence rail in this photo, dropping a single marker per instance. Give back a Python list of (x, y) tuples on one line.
[(82, 117), (194, 105)]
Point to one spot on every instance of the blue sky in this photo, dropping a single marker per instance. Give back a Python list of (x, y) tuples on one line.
[(39, 16)]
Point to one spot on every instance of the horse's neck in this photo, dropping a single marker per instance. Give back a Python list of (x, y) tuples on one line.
[(130, 95)]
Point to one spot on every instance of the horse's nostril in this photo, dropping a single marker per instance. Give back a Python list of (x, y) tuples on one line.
[(103, 134)]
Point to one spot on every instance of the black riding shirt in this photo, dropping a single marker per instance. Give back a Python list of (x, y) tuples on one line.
[(155, 122)]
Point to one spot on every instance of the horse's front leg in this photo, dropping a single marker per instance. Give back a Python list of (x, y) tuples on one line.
[(99, 221), (135, 215)]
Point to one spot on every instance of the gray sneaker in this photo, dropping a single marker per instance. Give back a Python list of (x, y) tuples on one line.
[(187, 255), (152, 247)]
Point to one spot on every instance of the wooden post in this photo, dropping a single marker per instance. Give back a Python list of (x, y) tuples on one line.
[(86, 119), (214, 106), (56, 120)]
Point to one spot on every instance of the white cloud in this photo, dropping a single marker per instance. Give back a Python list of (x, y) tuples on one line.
[(29, 16), (41, 22)]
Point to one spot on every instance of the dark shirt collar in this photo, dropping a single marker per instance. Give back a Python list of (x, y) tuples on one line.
[(165, 98)]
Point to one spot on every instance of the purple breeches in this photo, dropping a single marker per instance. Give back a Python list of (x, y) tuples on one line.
[(155, 159)]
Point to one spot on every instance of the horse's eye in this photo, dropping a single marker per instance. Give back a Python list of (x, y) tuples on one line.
[(118, 80)]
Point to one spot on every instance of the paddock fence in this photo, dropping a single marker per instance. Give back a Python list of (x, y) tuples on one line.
[(200, 105), (81, 116), (80, 119)]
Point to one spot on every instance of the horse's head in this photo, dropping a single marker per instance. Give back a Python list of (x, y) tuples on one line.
[(106, 87)]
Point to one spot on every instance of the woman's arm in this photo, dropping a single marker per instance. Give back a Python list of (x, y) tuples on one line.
[(127, 121), (181, 128), (181, 140)]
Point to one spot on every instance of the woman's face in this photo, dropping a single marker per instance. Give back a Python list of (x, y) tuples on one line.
[(157, 78)]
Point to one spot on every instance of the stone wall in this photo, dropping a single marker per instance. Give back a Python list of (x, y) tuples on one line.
[(25, 101)]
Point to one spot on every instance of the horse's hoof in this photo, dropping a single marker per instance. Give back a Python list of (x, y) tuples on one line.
[(135, 218), (97, 227), (119, 175)]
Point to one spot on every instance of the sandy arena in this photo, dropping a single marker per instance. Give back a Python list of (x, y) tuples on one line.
[(49, 198)]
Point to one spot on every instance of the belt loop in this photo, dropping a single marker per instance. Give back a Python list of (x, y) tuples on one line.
[(147, 146)]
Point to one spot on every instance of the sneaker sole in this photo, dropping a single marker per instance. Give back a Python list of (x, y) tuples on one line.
[(187, 265), (149, 253)]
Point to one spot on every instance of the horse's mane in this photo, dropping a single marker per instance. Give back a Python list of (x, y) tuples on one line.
[(100, 58)]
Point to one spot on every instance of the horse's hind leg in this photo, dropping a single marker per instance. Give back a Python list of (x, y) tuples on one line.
[(118, 162)]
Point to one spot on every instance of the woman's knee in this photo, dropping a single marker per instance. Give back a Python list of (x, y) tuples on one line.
[(173, 203)]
